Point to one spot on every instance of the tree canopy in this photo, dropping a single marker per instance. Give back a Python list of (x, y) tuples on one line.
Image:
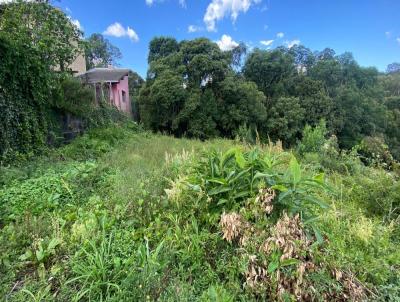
[(99, 52), (195, 89), (192, 90), (44, 28)]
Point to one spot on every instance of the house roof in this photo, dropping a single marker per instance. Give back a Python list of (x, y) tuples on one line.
[(97, 75)]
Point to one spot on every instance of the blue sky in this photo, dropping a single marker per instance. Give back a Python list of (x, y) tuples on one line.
[(370, 29)]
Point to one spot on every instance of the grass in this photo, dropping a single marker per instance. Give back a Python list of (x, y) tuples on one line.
[(125, 215)]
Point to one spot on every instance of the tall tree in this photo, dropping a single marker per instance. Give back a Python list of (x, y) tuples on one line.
[(393, 68), (192, 89), (99, 52), (44, 28), (162, 47), (269, 70), (135, 84)]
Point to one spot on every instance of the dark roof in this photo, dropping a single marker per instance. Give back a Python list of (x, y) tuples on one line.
[(97, 75)]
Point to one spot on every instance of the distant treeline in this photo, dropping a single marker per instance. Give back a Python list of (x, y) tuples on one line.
[(194, 89)]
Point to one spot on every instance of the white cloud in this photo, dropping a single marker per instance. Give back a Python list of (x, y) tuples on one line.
[(194, 28), (75, 22), (182, 3), (265, 27), (398, 40), (280, 35), (266, 42), (132, 34), (117, 30), (227, 43), (388, 34), (292, 43), (218, 9)]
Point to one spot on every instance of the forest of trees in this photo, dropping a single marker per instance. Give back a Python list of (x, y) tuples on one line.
[(194, 89)]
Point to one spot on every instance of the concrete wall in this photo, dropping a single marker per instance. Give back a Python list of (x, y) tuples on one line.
[(116, 95), (79, 65)]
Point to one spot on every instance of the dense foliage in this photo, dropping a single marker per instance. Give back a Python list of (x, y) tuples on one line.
[(192, 90), (24, 83), (37, 91), (122, 215), (99, 52), (28, 84), (197, 90)]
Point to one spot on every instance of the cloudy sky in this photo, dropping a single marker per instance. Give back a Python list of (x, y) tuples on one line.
[(370, 29)]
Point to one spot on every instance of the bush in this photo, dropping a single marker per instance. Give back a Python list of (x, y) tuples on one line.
[(73, 97), (374, 151), (313, 138)]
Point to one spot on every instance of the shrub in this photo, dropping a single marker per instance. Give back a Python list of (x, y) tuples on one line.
[(231, 178), (313, 139), (374, 151)]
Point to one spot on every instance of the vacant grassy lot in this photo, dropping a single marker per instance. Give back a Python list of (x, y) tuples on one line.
[(124, 215)]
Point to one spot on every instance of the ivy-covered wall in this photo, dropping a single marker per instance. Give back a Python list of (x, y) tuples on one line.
[(25, 83)]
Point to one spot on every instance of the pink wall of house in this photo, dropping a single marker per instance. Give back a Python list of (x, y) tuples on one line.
[(117, 92)]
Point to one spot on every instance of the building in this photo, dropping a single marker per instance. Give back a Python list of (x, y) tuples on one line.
[(78, 66), (110, 85)]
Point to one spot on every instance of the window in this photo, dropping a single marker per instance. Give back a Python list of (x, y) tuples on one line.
[(123, 96)]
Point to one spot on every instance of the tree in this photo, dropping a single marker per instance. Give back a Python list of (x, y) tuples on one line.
[(393, 68), (269, 70), (135, 84), (162, 47), (161, 102), (192, 89), (241, 103), (44, 28), (285, 120), (99, 52), (313, 99), (303, 57)]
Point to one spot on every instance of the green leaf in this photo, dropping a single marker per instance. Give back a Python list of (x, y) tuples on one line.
[(261, 175), (227, 156), (219, 190), (272, 266), (40, 255), (240, 160), (295, 170), (281, 188), (26, 256), (220, 181), (318, 235), (311, 220), (53, 243), (319, 178), (240, 174), (222, 201), (316, 201), (288, 262), (241, 194)]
